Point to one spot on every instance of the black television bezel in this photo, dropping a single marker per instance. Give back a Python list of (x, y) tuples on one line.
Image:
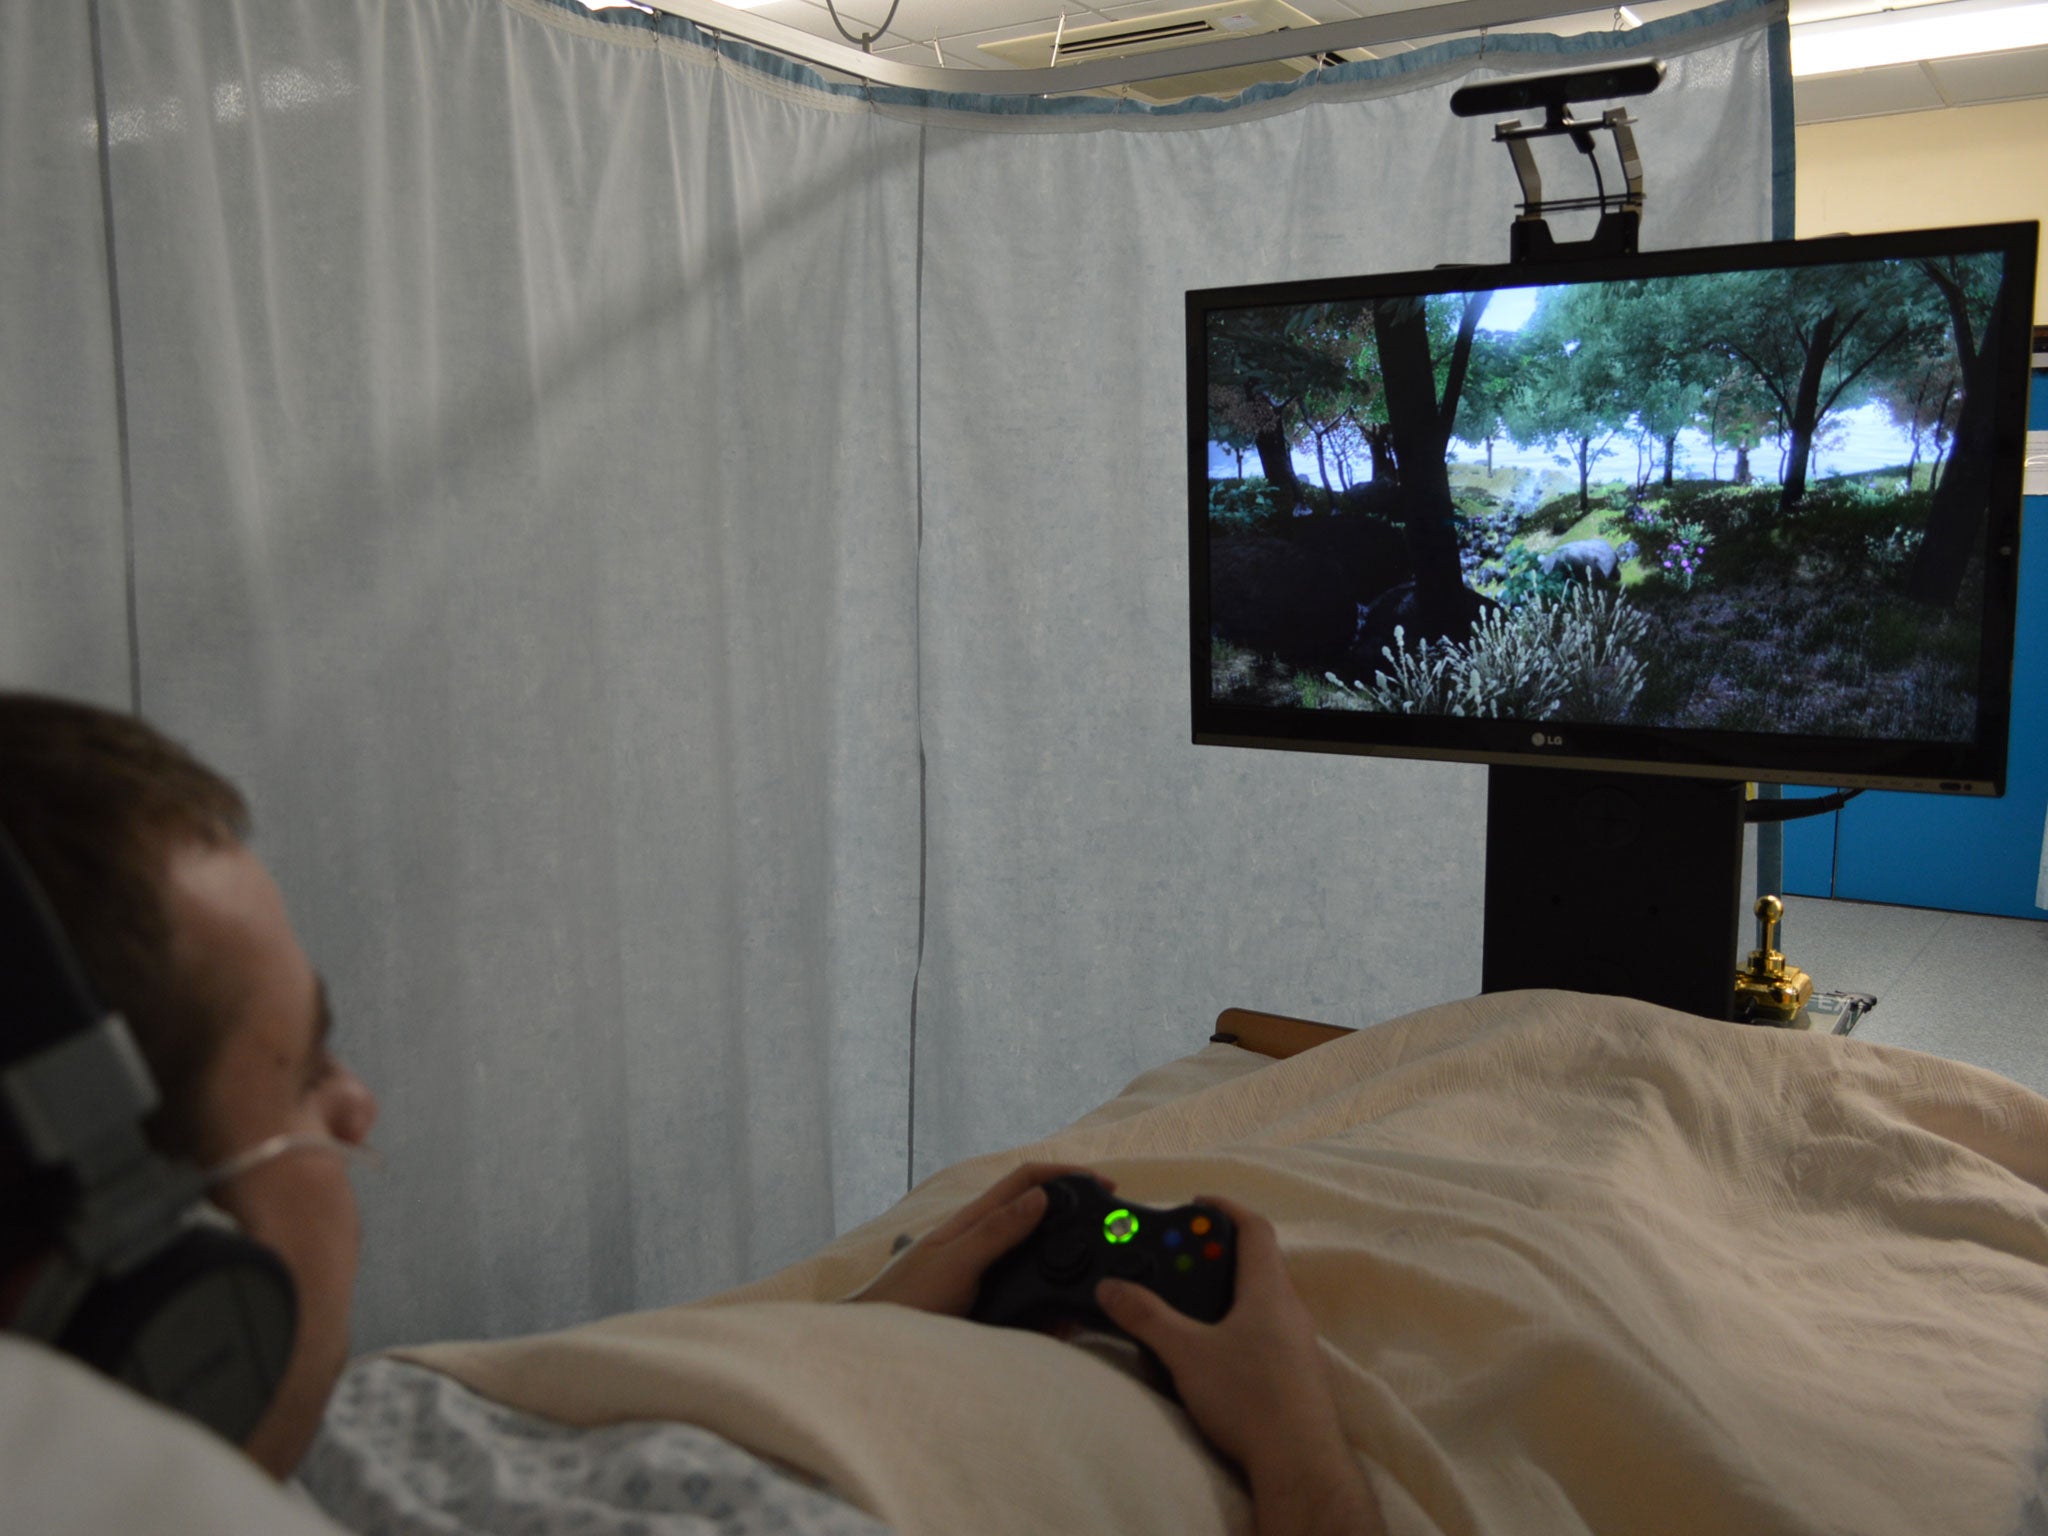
[(1977, 767)]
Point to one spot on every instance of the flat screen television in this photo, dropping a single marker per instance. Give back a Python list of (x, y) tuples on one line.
[(1727, 514)]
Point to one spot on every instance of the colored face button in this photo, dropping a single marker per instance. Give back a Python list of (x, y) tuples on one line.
[(1184, 1263), (1199, 1226), (1172, 1237), (1212, 1250)]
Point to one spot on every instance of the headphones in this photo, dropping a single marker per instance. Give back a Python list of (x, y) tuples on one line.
[(144, 1285)]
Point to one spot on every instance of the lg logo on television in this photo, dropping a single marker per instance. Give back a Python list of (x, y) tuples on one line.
[(1541, 740)]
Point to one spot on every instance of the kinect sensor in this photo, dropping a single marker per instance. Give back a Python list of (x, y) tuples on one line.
[(1553, 92)]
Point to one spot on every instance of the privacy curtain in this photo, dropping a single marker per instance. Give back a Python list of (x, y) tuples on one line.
[(688, 561)]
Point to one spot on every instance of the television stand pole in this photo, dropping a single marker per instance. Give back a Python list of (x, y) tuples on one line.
[(1619, 883)]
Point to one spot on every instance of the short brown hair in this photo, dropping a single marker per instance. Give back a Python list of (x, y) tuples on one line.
[(97, 802)]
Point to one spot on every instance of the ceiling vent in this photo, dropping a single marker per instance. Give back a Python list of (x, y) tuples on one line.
[(1173, 29)]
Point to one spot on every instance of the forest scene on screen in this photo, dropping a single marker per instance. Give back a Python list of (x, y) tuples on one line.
[(1749, 500)]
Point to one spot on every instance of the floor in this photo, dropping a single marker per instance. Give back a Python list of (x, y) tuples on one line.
[(1971, 988)]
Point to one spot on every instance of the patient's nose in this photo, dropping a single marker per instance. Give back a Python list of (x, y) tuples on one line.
[(351, 1107)]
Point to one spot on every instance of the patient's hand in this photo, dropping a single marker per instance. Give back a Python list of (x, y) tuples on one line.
[(1254, 1383), (942, 1271)]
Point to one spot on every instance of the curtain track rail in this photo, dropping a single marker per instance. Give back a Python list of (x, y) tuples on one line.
[(1099, 74)]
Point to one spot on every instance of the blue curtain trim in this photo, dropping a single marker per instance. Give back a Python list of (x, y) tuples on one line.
[(1784, 155)]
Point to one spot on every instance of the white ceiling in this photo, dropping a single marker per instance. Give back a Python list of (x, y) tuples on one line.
[(950, 33)]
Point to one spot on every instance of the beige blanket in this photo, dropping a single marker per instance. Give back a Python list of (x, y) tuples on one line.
[(1580, 1264)]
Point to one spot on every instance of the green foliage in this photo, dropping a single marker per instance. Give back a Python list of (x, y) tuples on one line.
[(1311, 693), (1895, 638), (1526, 581), (1231, 667), (1239, 505), (1558, 513), (1722, 510)]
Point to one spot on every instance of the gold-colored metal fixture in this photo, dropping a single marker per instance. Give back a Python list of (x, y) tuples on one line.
[(1770, 990)]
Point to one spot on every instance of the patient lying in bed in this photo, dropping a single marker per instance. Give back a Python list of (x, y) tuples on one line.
[(210, 1040), (1574, 1264)]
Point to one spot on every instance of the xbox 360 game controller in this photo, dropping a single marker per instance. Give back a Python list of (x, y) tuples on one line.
[(1187, 1256)]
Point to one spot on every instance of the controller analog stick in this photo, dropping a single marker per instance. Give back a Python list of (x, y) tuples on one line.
[(1065, 1257)]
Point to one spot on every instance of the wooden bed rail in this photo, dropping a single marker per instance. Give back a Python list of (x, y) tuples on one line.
[(1272, 1034)]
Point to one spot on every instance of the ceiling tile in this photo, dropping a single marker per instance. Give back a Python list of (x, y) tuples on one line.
[(1863, 93), (918, 20), (1992, 76), (957, 55)]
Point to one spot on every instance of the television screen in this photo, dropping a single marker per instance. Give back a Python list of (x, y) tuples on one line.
[(1740, 512)]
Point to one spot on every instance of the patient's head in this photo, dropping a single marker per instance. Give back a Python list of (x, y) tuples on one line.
[(179, 928)]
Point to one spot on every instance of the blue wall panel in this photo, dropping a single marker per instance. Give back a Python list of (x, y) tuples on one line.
[(1809, 848)]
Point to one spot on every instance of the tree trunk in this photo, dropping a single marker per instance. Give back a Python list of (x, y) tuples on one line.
[(1585, 457), (1415, 423), (1670, 452), (1955, 516), (1743, 475), (1380, 443), (1278, 466), (1806, 410)]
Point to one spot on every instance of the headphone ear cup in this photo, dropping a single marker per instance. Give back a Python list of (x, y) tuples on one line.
[(204, 1327)]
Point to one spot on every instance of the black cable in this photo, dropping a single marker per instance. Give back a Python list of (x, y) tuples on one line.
[(1755, 811), (862, 41)]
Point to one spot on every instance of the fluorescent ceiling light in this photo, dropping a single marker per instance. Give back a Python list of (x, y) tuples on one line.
[(1940, 31)]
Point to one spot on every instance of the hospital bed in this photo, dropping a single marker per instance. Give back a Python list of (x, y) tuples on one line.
[(1579, 1264)]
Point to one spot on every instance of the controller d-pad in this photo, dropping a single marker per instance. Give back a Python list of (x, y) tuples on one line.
[(1065, 1256)]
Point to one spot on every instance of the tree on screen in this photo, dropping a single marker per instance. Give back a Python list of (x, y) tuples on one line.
[(1976, 292), (1266, 366), (1421, 409), (1920, 388), (1575, 390), (1488, 391), (1810, 336), (1650, 334)]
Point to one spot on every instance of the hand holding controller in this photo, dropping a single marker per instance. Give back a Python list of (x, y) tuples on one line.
[(1187, 1256)]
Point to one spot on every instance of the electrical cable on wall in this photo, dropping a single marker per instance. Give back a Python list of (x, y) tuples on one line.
[(863, 41)]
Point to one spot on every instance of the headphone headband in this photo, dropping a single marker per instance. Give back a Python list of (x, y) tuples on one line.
[(47, 996)]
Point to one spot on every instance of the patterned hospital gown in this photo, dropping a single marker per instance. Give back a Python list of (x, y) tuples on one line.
[(405, 1451)]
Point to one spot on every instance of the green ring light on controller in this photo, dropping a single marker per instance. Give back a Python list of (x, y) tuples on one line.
[(1119, 1226)]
